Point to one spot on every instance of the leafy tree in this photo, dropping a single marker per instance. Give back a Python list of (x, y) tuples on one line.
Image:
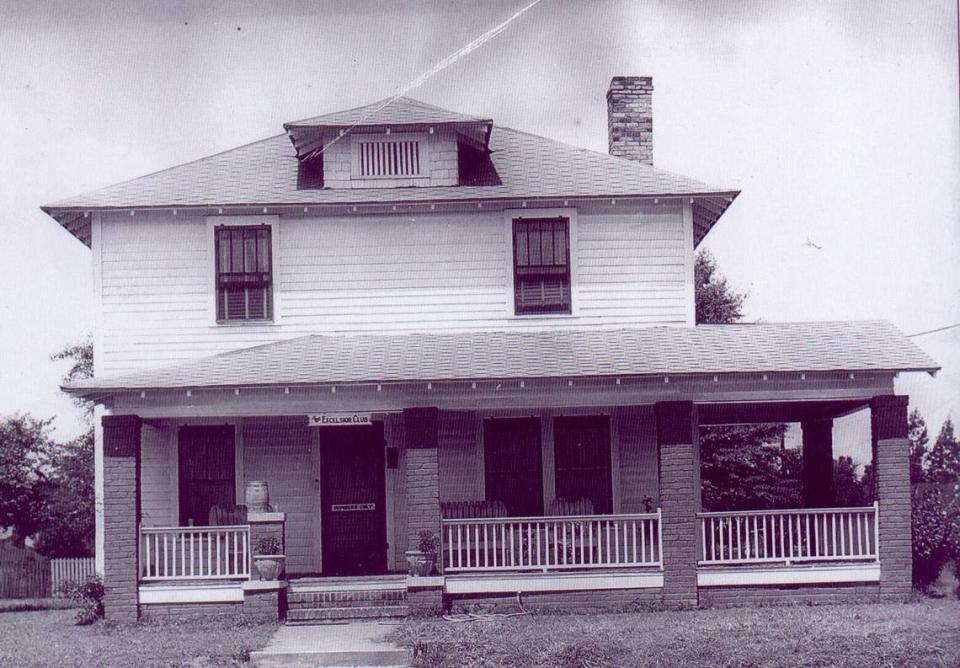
[(69, 523), (716, 301), (81, 356), (25, 474), (745, 467), (849, 487), (917, 433), (944, 458)]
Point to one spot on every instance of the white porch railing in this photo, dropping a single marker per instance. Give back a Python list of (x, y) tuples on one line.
[(552, 543), (788, 536), (194, 553)]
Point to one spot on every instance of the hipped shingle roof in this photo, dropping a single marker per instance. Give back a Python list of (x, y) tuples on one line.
[(705, 349)]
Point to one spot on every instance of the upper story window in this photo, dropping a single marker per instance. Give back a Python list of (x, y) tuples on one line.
[(383, 157), (244, 274), (541, 265)]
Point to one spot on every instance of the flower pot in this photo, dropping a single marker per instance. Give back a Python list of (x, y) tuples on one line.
[(420, 564), (258, 496), (269, 566)]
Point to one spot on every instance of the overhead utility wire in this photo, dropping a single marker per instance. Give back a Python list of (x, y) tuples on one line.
[(436, 69), (938, 329)]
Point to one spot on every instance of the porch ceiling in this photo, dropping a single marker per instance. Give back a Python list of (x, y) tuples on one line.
[(774, 348), (776, 411)]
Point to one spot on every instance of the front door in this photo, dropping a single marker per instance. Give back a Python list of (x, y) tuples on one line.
[(353, 518)]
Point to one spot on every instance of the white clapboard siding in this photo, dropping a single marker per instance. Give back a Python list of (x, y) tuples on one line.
[(279, 450), (157, 462), (430, 272)]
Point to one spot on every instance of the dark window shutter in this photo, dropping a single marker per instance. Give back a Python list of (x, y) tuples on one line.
[(310, 171), (541, 265), (244, 273)]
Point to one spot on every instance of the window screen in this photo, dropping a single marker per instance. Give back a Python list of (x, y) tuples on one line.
[(244, 278), (206, 472), (582, 460), (513, 465), (541, 265)]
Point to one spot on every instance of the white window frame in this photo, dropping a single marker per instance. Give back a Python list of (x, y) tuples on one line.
[(509, 215), (271, 221)]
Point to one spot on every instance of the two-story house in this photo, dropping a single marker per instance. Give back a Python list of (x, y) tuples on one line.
[(408, 320)]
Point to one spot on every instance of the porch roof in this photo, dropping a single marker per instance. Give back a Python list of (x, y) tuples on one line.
[(705, 349)]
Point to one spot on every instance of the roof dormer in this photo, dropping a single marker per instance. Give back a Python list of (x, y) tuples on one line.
[(393, 143)]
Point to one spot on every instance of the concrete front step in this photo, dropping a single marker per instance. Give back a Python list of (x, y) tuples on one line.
[(351, 612), (350, 644)]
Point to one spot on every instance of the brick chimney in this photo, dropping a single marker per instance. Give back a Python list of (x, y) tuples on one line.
[(630, 118)]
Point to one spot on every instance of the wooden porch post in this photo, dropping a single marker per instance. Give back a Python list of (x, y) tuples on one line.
[(121, 516), (891, 459), (679, 458), (818, 487)]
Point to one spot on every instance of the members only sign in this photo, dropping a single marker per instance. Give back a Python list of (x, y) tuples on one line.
[(339, 419)]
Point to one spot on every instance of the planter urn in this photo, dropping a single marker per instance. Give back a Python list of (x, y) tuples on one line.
[(269, 566)]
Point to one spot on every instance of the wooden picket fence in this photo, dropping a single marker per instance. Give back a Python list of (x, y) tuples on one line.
[(70, 570)]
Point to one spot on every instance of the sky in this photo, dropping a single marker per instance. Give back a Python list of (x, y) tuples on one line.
[(838, 121)]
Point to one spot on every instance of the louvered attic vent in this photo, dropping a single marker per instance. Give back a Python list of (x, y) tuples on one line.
[(397, 158)]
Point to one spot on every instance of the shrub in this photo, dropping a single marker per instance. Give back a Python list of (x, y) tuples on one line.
[(931, 536), (88, 597)]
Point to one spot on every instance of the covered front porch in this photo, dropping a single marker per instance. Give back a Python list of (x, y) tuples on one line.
[(561, 465), (598, 499)]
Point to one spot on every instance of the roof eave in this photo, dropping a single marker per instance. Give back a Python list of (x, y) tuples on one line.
[(54, 210), (312, 130), (80, 391)]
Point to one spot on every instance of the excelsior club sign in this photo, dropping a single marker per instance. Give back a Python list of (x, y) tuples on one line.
[(339, 419)]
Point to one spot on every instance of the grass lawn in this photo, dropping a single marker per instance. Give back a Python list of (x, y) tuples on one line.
[(924, 633), (50, 638)]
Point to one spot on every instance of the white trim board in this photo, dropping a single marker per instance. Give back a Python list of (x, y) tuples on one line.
[(512, 584), (745, 576), (205, 593)]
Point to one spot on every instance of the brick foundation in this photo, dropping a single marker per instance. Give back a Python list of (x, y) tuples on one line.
[(891, 456), (738, 597), (677, 438), (266, 605), (425, 601), (167, 610), (121, 514), (617, 600)]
